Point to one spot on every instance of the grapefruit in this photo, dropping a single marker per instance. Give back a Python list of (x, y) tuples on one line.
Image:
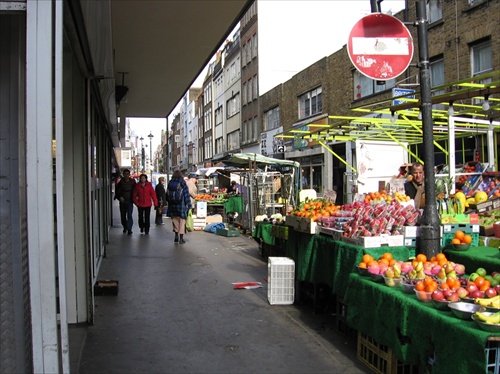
[(480, 197)]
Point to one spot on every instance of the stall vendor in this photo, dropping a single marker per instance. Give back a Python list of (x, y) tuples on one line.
[(414, 188), (233, 188)]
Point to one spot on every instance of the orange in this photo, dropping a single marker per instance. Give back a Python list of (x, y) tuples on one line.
[(467, 239), (444, 286), (392, 262), (362, 265), (456, 284), (422, 258), (440, 256), (455, 241), (442, 262), (367, 258), (428, 280), (387, 255), (459, 234), (450, 281), (431, 287), (485, 285), (479, 281), (383, 261), (420, 286)]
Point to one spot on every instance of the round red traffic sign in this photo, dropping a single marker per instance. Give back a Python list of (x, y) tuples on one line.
[(380, 46)]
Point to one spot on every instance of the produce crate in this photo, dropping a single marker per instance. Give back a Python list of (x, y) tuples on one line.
[(492, 352), (448, 232), (229, 231), (380, 358), (376, 241), (106, 288), (486, 206), (341, 325), (281, 278)]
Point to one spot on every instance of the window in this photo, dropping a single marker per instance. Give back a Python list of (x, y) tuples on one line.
[(255, 89), (437, 79), (250, 130), (233, 105), (218, 116), (208, 120), (244, 92), (434, 10), (208, 147), (481, 58), (249, 51), (249, 93), (364, 86), (219, 145), (310, 103), (243, 55), (254, 46), (233, 140), (272, 119)]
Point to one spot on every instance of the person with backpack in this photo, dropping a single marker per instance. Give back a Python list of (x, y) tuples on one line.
[(144, 194), (179, 204), (123, 193)]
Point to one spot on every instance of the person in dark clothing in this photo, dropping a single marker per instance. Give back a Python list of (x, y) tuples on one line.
[(144, 197), (233, 188), (162, 200), (179, 204), (123, 193)]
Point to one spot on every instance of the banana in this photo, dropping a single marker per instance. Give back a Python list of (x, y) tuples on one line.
[(493, 302), (494, 319), (481, 317)]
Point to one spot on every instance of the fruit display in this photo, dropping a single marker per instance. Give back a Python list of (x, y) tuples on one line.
[(315, 209), (216, 198), (373, 220), (490, 318), (461, 238), (493, 302), (490, 185)]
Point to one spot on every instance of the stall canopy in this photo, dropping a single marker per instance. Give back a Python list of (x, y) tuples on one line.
[(249, 160)]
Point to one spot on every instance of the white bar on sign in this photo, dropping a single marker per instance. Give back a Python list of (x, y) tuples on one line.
[(380, 46)]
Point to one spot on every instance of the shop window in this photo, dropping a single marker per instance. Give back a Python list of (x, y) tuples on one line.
[(311, 103)]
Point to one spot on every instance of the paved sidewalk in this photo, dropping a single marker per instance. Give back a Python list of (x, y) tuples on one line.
[(177, 312)]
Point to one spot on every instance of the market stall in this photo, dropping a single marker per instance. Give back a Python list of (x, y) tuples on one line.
[(416, 331)]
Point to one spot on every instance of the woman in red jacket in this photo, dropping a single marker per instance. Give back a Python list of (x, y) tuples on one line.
[(144, 194)]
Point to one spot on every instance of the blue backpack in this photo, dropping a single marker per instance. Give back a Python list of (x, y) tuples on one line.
[(174, 192)]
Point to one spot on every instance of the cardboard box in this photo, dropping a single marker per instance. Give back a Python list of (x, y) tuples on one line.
[(377, 241), (106, 288), (308, 226), (213, 219), (201, 209), (411, 231), (292, 221), (487, 230), (488, 205)]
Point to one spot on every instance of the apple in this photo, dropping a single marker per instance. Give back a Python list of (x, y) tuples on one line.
[(448, 268), (473, 277), (490, 292), (437, 295), (476, 294), (494, 283), (459, 269), (453, 297), (462, 293), (481, 272), (471, 287), (497, 288), (496, 276), (447, 292)]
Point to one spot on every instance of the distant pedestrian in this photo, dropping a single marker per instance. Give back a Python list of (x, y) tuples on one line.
[(179, 204), (144, 197), (162, 200), (123, 193), (193, 189)]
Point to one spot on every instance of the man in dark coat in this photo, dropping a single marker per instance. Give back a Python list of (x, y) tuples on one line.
[(415, 188), (123, 193), (162, 200)]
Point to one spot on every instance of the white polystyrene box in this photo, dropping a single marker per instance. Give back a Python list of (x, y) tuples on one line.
[(281, 280)]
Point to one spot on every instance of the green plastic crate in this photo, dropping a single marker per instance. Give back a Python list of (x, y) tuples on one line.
[(448, 233)]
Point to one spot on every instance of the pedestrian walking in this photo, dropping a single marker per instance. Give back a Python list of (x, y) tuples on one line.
[(179, 204), (123, 193), (162, 200), (144, 198)]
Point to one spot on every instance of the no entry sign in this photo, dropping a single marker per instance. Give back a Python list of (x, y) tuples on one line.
[(380, 46)]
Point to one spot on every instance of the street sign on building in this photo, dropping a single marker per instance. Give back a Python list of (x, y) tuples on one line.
[(380, 46), (402, 92)]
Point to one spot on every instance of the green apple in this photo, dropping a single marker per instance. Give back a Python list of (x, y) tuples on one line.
[(494, 283), (481, 272), (497, 277), (473, 277)]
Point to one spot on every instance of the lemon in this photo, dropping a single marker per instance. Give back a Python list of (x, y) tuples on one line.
[(480, 197)]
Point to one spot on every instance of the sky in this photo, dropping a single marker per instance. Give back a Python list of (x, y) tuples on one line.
[(292, 36)]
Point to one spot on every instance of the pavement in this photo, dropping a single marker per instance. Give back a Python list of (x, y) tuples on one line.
[(176, 312)]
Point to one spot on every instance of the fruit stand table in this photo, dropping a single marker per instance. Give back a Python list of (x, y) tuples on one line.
[(321, 259), (476, 257), (415, 330)]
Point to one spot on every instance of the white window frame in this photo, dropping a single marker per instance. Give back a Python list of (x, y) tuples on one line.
[(272, 119), (434, 10), (364, 86), (309, 101)]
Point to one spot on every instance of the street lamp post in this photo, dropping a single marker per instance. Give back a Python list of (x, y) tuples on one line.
[(143, 155), (150, 136)]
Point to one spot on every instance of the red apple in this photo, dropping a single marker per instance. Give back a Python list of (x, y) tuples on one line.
[(437, 295), (459, 269), (471, 287), (453, 297), (490, 292), (447, 293), (497, 288), (476, 294)]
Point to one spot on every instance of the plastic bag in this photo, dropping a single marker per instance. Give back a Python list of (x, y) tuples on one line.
[(190, 221)]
